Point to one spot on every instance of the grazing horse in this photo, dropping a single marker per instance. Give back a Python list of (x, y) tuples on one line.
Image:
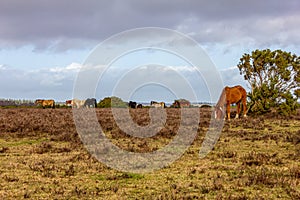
[(230, 95), (45, 103), (181, 103), (69, 103), (132, 104), (90, 103), (157, 104), (76, 103)]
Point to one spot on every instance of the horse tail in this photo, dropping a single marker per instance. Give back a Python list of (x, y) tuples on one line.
[(244, 99)]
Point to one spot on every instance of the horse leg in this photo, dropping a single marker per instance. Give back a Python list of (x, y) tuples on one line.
[(228, 110), (238, 110), (245, 107)]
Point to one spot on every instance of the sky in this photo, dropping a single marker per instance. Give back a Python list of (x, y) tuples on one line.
[(44, 44)]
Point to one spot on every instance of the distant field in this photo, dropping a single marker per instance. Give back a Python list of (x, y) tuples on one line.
[(41, 157)]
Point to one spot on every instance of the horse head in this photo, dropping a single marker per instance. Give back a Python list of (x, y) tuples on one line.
[(219, 112)]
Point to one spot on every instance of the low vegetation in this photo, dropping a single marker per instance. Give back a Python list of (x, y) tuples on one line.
[(42, 157)]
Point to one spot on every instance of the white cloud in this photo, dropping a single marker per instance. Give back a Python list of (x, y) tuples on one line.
[(73, 67), (2, 67), (46, 83)]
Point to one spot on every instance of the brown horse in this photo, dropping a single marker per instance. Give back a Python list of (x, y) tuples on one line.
[(230, 95), (45, 103)]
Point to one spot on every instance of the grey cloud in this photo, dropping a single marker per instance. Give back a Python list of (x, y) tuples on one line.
[(67, 24)]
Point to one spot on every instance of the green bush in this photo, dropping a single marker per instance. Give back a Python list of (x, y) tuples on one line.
[(109, 102), (274, 77)]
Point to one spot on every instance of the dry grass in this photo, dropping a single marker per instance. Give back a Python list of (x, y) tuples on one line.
[(42, 157)]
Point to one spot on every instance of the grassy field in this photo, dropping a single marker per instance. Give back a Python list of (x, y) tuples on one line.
[(41, 157)]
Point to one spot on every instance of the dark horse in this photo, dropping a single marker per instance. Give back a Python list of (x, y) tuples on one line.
[(230, 95), (132, 104), (90, 103)]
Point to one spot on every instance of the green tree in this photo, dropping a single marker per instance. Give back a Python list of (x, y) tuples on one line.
[(274, 77), (109, 102)]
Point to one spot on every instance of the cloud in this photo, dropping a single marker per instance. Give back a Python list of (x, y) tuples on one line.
[(71, 24), (225, 28), (144, 83), (73, 67), (2, 67), (231, 76), (41, 83)]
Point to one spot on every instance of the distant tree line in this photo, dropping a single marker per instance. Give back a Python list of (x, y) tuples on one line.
[(16, 102), (107, 102)]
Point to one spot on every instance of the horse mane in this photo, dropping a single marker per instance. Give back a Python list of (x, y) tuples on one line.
[(222, 99)]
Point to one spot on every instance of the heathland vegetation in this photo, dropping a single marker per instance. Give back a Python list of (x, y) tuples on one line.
[(42, 157)]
